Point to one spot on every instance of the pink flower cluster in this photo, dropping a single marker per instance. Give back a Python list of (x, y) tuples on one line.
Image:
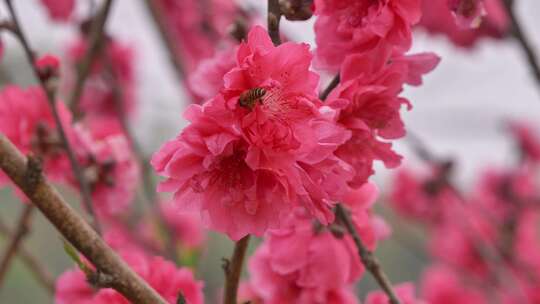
[(487, 240), (109, 167), (368, 104), (475, 19), (103, 152), (110, 88), (107, 99), (265, 144), (305, 262), (366, 41), (27, 121), (405, 292), (468, 13), (261, 147), (198, 27), (59, 10), (356, 27), (165, 277), (263, 153)]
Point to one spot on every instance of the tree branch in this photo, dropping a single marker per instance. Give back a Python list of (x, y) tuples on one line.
[(233, 270), (367, 257), (523, 40), (168, 41), (331, 86), (48, 87), (73, 227), (93, 48), (273, 18), (31, 262), (16, 240)]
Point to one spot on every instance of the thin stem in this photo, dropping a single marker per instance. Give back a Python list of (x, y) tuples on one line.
[(273, 18), (331, 86), (170, 44), (233, 270), (28, 177), (491, 255), (148, 183), (16, 239), (94, 46), (523, 40), (368, 259), (49, 90), (41, 274), (420, 148)]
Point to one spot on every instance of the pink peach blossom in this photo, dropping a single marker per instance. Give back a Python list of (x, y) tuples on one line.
[(370, 227), (460, 247), (502, 192), (111, 170), (369, 104), (527, 140), (27, 121), (48, 66), (168, 280), (525, 247), (441, 285), (299, 265), (356, 26), (207, 79), (438, 19), (468, 13), (244, 166), (422, 196), (99, 93), (59, 10), (198, 27), (187, 226), (405, 293), (246, 293)]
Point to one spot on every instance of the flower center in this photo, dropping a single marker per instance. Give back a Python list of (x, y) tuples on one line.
[(230, 171)]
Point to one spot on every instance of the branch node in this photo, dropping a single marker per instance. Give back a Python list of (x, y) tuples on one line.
[(33, 173), (100, 279), (226, 265)]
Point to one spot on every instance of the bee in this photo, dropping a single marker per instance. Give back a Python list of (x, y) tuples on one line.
[(249, 97)]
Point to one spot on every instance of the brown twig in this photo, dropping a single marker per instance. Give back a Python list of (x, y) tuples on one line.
[(47, 85), (40, 273), (16, 240), (491, 255), (93, 48), (72, 226), (368, 259), (233, 270), (331, 86), (493, 258), (170, 44), (273, 18), (420, 149), (148, 183), (523, 40)]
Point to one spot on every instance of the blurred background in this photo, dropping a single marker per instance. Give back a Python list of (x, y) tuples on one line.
[(459, 112)]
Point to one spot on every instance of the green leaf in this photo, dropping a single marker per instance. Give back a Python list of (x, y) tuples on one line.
[(74, 255)]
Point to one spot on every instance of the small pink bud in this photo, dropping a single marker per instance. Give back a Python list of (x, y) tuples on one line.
[(48, 66)]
